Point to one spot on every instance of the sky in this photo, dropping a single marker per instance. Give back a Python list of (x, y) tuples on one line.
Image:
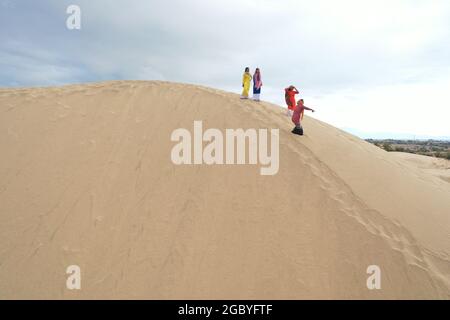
[(369, 67)]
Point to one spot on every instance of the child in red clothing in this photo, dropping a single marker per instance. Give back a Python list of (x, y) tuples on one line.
[(297, 115)]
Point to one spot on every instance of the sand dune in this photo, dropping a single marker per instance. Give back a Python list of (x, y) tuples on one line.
[(86, 179), (430, 166)]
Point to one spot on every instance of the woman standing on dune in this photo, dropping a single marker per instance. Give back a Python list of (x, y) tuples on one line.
[(289, 95), (246, 79), (298, 115), (257, 84)]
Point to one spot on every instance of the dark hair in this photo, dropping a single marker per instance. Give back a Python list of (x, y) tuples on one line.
[(247, 69)]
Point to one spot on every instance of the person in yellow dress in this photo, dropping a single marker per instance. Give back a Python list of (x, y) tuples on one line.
[(246, 79)]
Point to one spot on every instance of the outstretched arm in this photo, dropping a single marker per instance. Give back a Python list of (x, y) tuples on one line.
[(306, 108)]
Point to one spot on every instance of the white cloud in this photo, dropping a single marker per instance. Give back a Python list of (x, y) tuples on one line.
[(420, 108)]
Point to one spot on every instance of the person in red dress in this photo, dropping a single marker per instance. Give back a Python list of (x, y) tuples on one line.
[(289, 95), (297, 116)]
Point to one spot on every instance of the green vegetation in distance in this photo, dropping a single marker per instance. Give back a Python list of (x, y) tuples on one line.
[(431, 148)]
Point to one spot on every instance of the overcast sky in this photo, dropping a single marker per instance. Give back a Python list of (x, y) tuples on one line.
[(373, 66)]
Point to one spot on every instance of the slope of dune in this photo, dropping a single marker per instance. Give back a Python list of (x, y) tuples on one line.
[(430, 166), (86, 179)]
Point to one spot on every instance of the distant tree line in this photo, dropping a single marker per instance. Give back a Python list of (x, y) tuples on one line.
[(432, 148)]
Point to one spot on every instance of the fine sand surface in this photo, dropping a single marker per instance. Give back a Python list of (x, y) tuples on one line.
[(86, 179), (439, 168)]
